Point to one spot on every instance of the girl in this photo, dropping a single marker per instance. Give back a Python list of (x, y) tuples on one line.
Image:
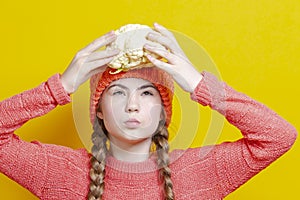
[(130, 111)]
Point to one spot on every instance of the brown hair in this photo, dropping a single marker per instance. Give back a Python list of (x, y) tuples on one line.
[(99, 151), (97, 161)]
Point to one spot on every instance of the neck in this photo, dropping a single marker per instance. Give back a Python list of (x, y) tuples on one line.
[(130, 152)]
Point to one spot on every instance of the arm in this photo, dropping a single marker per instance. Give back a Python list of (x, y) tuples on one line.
[(255, 120), (49, 171), (22, 161), (223, 168), (266, 136), (17, 110)]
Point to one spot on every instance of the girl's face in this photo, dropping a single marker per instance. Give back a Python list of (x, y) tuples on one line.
[(131, 109)]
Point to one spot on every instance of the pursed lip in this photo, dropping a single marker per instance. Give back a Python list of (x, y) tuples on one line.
[(132, 123)]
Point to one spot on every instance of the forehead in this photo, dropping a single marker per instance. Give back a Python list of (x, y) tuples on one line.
[(131, 82)]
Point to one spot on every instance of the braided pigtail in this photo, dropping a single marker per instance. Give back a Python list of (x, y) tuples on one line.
[(160, 139), (99, 152)]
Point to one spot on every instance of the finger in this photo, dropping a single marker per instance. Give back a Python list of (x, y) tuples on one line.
[(98, 63), (164, 41), (97, 70), (100, 42), (163, 30), (102, 54), (171, 44), (160, 64), (162, 52)]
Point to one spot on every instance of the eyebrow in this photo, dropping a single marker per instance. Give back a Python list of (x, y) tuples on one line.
[(124, 87), (116, 85), (146, 86)]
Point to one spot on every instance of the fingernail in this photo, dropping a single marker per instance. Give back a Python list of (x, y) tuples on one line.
[(111, 33), (114, 51), (157, 25), (147, 46), (149, 56), (150, 35)]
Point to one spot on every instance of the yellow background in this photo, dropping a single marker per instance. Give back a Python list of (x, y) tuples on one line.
[(254, 43)]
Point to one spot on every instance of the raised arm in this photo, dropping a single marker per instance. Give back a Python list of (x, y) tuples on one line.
[(43, 169), (17, 110), (266, 136), (19, 160)]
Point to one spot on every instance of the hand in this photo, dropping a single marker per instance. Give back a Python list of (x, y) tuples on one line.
[(178, 65), (88, 62)]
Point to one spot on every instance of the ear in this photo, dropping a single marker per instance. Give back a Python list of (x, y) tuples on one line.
[(100, 115)]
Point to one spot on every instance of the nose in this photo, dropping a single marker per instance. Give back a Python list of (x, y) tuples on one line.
[(132, 104)]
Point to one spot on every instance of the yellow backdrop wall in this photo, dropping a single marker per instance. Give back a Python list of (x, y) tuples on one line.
[(254, 43)]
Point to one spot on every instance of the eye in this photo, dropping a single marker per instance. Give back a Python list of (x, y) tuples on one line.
[(118, 92), (147, 93)]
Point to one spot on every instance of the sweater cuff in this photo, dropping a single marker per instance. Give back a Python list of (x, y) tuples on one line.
[(210, 91), (57, 90)]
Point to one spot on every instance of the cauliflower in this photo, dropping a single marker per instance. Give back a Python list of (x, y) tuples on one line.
[(130, 41)]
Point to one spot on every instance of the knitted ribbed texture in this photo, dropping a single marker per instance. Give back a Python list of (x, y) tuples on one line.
[(161, 79), (56, 172), (57, 90)]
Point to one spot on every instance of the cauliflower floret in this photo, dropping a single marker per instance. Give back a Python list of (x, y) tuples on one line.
[(130, 41)]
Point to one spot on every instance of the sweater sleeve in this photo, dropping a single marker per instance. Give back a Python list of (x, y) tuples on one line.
[(17, 110), (28, 162), (266, 136)]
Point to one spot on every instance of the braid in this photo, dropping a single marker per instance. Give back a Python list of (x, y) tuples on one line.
[(160, 139), (99, 151)]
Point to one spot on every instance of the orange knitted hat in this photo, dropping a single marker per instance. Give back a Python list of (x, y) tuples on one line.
[(159, 78)]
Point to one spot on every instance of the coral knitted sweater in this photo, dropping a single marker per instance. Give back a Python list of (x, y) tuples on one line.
[(212, 172)]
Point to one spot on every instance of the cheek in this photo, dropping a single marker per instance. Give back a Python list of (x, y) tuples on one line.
[(111, 106), (110, 112), (155, 110), (110, 119), (153, 114)]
